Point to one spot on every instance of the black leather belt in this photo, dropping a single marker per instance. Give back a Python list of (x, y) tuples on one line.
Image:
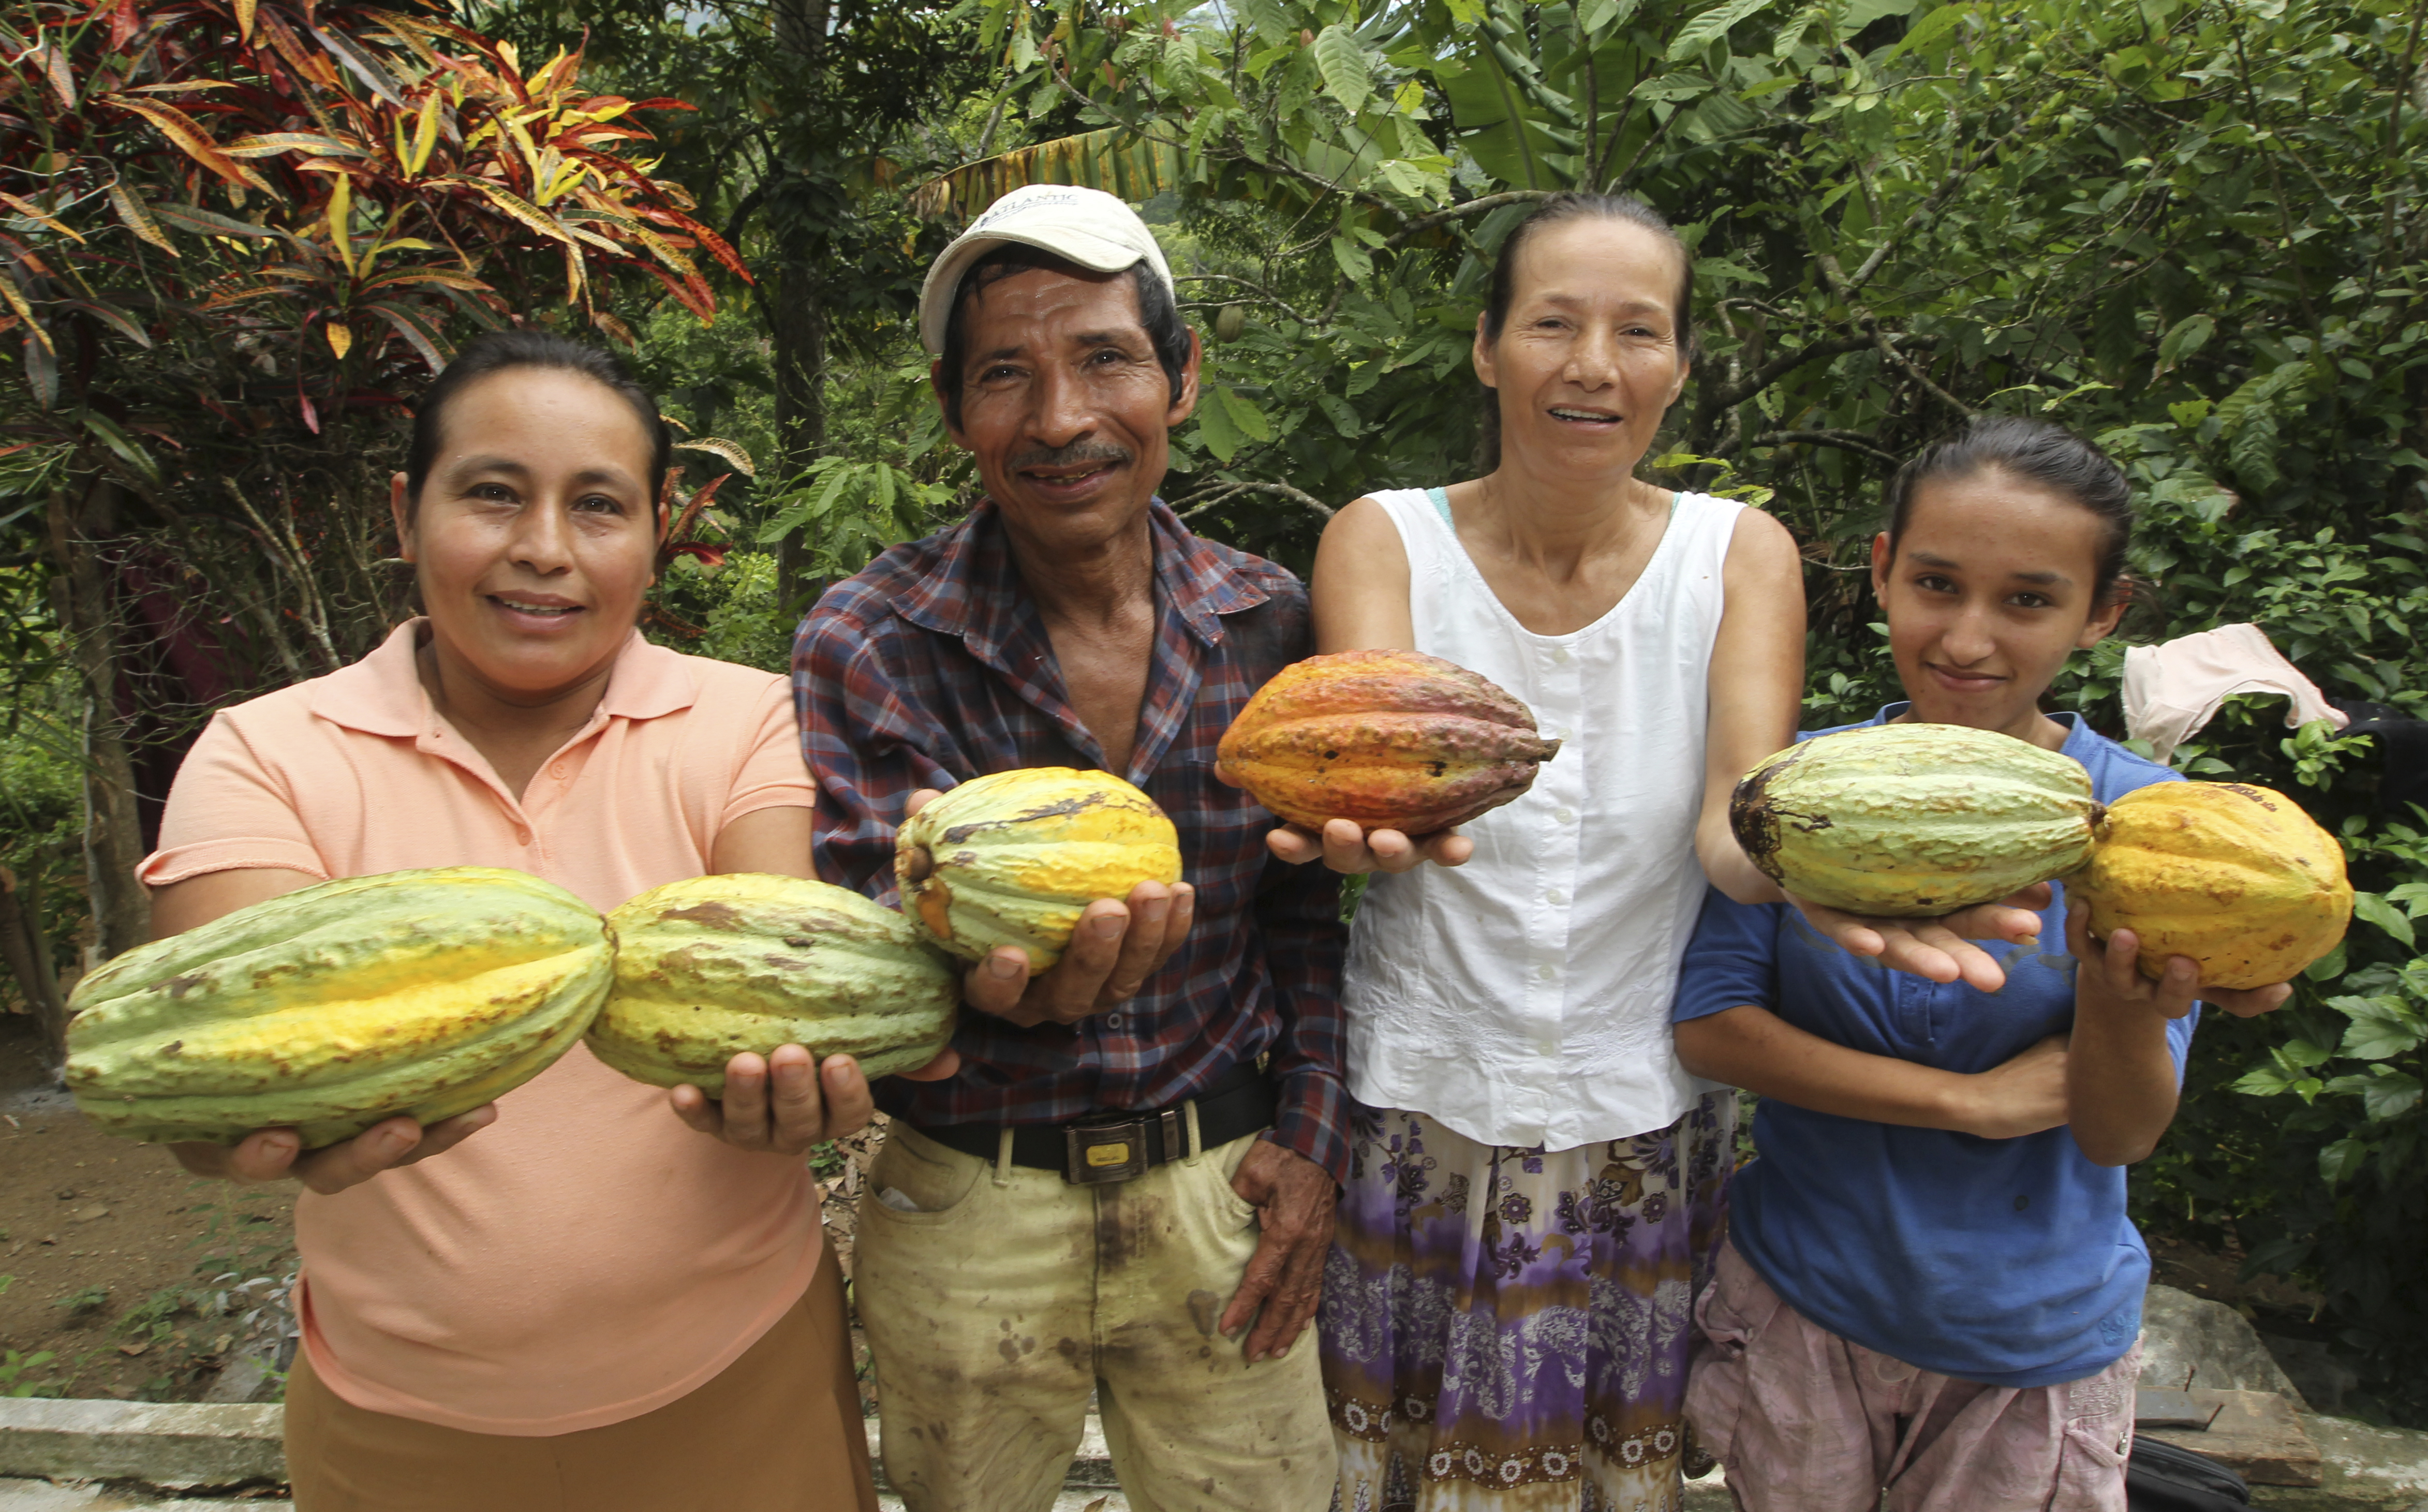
[(1117, 1145)]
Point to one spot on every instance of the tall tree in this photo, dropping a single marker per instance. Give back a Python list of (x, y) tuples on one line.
[(236, 232), (809, 112)]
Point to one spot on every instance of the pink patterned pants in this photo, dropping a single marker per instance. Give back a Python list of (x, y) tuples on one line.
[(1807, 1421)]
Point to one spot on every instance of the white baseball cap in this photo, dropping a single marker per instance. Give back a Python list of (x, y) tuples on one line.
[(1090, 228)]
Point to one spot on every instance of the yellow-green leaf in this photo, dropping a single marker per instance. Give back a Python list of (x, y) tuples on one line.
[(29, 208), (1115, 160), (26, 312), (425, 134), (138, 219), (341, 209)]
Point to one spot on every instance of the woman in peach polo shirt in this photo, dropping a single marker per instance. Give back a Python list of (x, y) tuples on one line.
[(589, 1306)]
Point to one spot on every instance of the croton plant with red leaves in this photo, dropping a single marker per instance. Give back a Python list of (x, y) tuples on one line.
[(331, 187)]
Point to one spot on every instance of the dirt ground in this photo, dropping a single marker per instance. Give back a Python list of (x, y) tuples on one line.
[(117, 1265), (131, 1276)]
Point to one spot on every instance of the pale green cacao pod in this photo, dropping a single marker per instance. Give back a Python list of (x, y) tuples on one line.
[(708, 968), (1912, 820), (1014, 858), (426, 992)]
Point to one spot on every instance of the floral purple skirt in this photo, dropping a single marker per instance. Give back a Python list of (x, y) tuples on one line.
[(1507, 1329)]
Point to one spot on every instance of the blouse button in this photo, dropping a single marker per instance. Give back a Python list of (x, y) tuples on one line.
[(1547, 972), (1555, 897), (1560, 655), (522, 837), (557, 771), (1565, 815), (1112, 1021)]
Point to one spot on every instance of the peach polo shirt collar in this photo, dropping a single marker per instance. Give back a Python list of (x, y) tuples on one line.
[(382, 695)]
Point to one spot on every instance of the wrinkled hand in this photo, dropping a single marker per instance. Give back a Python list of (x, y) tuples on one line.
[(1349, 850), (1294, 1200), (1117, 946), (2175, 995), (271, 1154), (2023, 1096), (786, 1101), (1939, 949)]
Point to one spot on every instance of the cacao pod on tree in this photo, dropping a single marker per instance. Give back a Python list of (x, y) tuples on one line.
[(1390, 739), (1913, 820), (712, 966), (326, 1010), (2236, 877), (1014, 858)]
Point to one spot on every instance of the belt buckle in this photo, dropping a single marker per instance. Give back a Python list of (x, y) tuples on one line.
[(1096, 1155)]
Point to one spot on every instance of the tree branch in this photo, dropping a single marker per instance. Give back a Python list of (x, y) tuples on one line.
[(1459, 212), (1258, 290), (1228, 490), (1827, 263), (1843, 440)]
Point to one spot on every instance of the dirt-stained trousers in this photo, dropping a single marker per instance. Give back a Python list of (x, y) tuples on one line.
[(996, 1297)]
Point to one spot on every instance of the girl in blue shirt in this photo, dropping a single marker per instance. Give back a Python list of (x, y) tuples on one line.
[(1931, 1295)]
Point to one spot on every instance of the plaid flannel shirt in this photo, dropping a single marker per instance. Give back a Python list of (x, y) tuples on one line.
[(933, 666)]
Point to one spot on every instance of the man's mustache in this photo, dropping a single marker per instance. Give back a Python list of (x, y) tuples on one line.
[(1077, 455)]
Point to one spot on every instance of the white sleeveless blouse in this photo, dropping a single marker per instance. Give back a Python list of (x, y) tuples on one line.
[(1524, 998)]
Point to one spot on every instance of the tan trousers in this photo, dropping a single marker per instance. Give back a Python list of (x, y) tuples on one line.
[(779, 1430), (1008, 1294)]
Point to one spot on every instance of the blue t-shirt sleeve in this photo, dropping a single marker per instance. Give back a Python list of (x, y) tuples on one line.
[(1732, 961)]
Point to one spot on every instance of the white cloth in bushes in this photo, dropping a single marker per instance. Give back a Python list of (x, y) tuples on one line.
[(2171, 691)]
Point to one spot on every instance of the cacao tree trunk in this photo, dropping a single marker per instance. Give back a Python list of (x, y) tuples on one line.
[(82, 514), (25, 951), (797, 326), (796, 314)]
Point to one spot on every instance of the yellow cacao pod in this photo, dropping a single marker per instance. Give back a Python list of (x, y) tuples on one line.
[(708, 968), (426, 992), (1913, 820), (1016, 857), (2236, 877), (1390, 739)]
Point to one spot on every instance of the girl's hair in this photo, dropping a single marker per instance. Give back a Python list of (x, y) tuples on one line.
[(2041, 451), (493, 352), (1575, 205)]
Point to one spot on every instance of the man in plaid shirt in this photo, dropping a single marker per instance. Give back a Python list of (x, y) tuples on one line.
[(1128, 1185)]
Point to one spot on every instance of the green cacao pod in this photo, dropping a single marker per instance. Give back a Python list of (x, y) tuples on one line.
[(1016, 857), (708, 968), (1911, 821), (1230, 322), (426, 992)]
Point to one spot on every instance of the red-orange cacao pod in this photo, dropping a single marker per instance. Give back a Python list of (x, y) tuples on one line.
[(1391, 740)]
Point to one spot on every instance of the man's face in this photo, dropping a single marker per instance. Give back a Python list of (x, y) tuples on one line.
[(1063, 402)]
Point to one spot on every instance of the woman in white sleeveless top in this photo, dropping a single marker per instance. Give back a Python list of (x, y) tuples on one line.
[(1536, 1182)]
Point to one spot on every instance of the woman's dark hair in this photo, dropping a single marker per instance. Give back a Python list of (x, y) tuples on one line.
[(1165, 330), (493, 352), (2035, 450), (1575, 205)]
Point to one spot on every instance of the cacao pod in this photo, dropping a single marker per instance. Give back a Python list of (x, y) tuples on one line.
[(1391, 740), (1230, 322), (1911, 820), (1014, 858), (426, 992), (712, 966), (2236, 877)]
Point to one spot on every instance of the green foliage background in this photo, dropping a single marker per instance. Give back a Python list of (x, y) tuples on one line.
[(2190, 228)]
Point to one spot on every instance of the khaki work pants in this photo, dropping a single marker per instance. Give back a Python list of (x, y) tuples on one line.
[(1008, 1294), (779, 1430)]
